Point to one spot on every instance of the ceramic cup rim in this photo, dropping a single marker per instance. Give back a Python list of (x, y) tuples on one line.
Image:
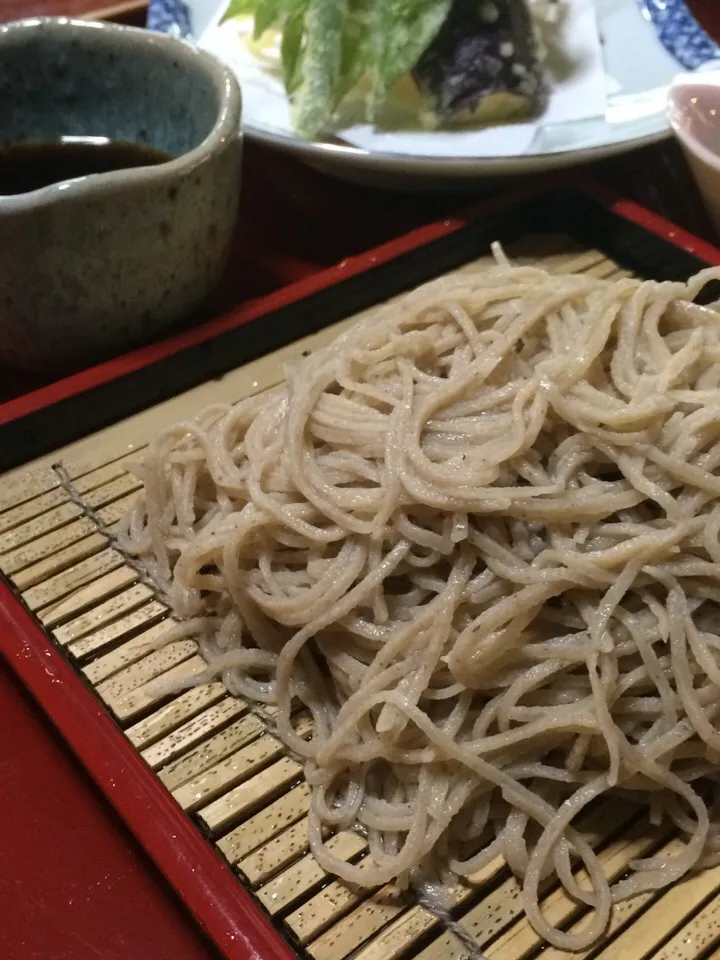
[(225, 128), (674, 111)]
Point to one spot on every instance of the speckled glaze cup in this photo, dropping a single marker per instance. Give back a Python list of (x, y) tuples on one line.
[(96, 264)]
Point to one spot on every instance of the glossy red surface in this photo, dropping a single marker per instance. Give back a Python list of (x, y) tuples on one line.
[(74, 884), (204, 882)]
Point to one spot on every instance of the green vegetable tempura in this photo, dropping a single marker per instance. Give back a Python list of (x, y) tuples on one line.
[(469, 61)]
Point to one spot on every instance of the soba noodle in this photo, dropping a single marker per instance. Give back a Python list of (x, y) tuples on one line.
[(477, 538)]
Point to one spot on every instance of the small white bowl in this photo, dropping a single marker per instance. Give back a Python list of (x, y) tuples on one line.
[(694, 115)]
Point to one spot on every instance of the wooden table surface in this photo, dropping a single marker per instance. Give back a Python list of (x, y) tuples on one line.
[(73, 883)]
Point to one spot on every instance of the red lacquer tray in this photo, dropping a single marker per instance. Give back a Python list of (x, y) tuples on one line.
[(625, 233)]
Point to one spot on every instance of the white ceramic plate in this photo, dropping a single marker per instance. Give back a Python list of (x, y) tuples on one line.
[(638, 69)]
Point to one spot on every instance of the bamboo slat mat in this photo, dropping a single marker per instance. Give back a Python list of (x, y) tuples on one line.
[(219, 757)]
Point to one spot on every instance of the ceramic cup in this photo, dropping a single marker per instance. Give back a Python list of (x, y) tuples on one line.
[(93, 265), (694, 115)]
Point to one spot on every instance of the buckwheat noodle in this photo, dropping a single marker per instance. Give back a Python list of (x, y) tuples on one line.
[(476, 538)]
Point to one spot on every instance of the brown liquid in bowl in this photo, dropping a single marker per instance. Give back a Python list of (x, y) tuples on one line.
[(32, 164)]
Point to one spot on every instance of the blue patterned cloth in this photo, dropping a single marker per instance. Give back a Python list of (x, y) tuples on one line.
[(680, 33), (169, 16)]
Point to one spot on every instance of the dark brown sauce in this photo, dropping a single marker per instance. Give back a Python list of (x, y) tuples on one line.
[(32, 164)]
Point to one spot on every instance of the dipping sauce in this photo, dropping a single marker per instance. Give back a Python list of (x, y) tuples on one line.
[(32, 164)]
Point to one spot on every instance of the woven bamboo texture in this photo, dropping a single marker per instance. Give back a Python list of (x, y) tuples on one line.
[(218, 755)]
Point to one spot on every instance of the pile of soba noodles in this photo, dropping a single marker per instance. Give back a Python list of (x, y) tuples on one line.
[(477, 538)]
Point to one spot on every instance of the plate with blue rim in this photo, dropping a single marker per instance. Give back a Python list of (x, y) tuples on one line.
[(645, 44)]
